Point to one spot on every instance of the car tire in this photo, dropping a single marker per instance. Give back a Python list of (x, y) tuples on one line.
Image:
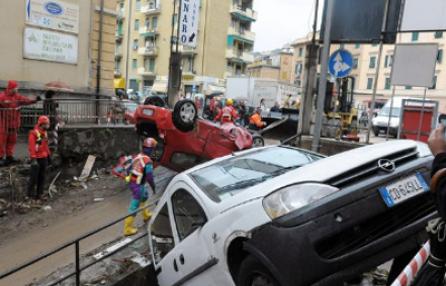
[(185, 115), (376, 131), (155, 100), (254, 273), (257, 141)]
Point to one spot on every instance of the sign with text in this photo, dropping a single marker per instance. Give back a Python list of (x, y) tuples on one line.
[(50, 46), (190, 17), (53, 14)]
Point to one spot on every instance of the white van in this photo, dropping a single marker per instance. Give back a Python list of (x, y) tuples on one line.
[(381, 122)]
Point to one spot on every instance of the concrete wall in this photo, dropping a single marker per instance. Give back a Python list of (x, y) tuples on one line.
[(107, 143)]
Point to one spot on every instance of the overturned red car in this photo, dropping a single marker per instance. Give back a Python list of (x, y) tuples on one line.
[(186, 140)]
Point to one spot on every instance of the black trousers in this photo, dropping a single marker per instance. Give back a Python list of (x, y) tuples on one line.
[(37, 178)]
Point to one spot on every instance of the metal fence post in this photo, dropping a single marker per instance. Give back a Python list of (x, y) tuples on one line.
[(78, 271)]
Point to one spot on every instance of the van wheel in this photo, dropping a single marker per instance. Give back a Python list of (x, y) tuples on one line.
[(155, 100), (253, 273), (257, 141)]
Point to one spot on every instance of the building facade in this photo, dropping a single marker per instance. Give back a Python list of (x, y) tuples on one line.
[(65, 48), (365, 66), (143, 37), (277, 65)]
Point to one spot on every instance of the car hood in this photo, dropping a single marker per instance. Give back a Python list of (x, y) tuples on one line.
[(325, 169)]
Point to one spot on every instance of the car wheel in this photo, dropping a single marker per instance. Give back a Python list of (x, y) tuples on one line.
[(155, 101), (376, 132), (253, 273), (257, 141), (185, 115)]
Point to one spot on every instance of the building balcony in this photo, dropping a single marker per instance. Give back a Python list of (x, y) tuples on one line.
[(148, 32), (151, 9), (148, 51), (146, 72), (121, 14), (118, 53), (242, 34), (243, 57), (247, 15), (119, 35)]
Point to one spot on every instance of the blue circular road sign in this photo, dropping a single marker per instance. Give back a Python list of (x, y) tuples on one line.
[(340, 64)]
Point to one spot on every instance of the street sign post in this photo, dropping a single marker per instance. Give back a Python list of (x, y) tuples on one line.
[(340, 64)]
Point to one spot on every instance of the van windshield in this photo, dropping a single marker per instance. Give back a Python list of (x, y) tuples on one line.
[(229, 177), (386, 111)]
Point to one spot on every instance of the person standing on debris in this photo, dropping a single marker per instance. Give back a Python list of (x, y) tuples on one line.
[(10, 103), (39, 154), (137, 172)]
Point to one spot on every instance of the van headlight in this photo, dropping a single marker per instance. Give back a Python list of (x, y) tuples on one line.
[(295, 197)]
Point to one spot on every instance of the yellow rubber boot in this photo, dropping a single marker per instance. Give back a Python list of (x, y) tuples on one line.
[(128, 226), (146, 213)]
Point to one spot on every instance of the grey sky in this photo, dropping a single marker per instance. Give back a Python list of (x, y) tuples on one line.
[(281, 21)]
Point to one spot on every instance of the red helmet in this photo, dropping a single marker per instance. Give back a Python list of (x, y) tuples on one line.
[(149, 143), (43, 120)]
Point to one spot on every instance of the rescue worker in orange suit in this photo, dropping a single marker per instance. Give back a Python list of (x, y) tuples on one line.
[(228, 114), (255, 121), (40, 156), (140, 174), (10, 103)]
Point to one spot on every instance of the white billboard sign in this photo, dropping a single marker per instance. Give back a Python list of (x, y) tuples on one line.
[(50, 46), (414, 65), (190, 18), (53, 14), (424, 15)]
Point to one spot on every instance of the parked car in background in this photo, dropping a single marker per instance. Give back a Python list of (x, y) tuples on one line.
[(388, 118), (280, 216)]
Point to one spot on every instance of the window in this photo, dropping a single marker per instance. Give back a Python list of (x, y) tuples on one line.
[(234, 175), (434, 86), (298, 69), (301, 52), (415, 36), (374, 45), (387, 85), (372, 63), (388, 60), (152, 64), (438, 35), (189, 215), (134, 84), (138, 5), (357, 46), (135, 44), (148, 83), (355, 63), (134, 64), (408, 87), (440, 56), (154, 23), (161, 235), (136, 26), (369, 83)]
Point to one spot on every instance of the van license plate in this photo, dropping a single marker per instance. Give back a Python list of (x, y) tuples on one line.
[(403, 190)]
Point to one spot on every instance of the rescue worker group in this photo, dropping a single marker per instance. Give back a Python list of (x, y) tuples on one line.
[(135, 170)]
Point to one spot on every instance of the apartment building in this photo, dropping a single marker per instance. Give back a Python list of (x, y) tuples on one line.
[(143, 37), (277, 65), (366, 62)]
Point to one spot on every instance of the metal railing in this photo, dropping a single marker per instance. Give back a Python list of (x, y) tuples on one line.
[(68, 112), (76, 244)]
